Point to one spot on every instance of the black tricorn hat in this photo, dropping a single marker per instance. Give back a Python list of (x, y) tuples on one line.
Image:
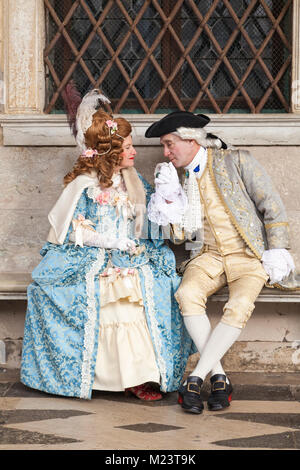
[(174, 120)]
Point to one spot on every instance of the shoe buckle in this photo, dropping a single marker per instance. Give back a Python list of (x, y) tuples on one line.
[(217, 387), (191, 390)]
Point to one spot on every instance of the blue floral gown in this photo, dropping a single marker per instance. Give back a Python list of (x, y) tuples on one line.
[(62, 344)]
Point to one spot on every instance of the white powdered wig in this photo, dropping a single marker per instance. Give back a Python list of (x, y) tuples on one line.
[(84, 118), (199, 135)]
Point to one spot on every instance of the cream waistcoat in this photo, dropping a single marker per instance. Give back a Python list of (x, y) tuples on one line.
[(219, 232)]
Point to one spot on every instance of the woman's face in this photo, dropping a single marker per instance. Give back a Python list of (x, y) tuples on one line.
[(128, 154)]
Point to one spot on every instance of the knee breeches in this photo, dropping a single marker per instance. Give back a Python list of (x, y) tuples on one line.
[(206, 274)]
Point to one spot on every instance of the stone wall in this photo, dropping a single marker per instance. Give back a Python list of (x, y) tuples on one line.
[(31, 181)]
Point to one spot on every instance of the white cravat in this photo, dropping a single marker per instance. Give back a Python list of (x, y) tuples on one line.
[(199, 159), (192, 219)]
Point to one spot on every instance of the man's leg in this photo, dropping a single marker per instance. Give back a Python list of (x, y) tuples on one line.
[(195, 288), (237, 311), (199, 329), (221, 339), (192, 295)]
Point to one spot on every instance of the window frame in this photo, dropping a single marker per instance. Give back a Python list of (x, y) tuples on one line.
[(24, 122), (168, 69)]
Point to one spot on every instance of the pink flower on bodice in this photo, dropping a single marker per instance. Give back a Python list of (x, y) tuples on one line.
[(103, 197)]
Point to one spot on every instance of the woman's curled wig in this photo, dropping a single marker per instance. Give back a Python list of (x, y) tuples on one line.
[(99, 137)]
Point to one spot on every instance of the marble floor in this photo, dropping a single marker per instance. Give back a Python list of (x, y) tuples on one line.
[(32, 420)]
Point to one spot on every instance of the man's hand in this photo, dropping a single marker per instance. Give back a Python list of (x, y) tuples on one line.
[(166, 181), (278, 264)]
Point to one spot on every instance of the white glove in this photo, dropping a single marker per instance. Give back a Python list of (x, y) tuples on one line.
[(92, 238), (123, 244), (278, 264), (169, 202), (166, 181)]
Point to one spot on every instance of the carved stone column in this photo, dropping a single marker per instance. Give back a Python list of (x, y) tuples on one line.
[(296, 59), (23, 44), (2, 88)]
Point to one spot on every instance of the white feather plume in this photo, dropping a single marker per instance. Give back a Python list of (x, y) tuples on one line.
[(84, 118)]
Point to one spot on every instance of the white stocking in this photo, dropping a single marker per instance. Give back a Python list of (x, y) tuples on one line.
[(199, 329), (220, 340)]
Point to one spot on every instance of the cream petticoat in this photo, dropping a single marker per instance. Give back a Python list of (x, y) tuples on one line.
[(125, 352)]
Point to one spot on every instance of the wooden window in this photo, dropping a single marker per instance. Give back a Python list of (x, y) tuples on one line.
[(155, 56)]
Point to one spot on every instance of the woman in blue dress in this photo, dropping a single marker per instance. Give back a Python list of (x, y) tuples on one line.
[(101, 311)]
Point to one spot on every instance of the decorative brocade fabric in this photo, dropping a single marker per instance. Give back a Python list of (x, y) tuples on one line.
[(252, 203), (64, 305)]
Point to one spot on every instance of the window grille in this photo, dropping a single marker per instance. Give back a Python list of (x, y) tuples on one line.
[(155, 56)]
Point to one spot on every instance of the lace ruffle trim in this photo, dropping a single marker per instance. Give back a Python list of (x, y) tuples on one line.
[(89, 329)]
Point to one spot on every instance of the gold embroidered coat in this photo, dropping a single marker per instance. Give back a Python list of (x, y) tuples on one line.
[(252, 202)]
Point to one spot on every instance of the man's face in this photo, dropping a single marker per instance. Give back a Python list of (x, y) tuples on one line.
[(179, 152)]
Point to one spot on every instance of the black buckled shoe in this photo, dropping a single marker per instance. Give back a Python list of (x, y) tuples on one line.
[(221, 393), (189, 395)]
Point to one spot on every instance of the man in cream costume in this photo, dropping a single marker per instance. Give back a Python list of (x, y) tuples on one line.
[(228, 203)]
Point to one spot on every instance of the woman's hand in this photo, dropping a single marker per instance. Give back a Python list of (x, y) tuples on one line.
[(93, 238), (123, 244)]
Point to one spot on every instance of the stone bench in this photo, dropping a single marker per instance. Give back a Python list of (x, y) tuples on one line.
[(13, 286)]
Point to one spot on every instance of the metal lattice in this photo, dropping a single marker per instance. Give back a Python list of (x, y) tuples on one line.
[(157, 55)]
